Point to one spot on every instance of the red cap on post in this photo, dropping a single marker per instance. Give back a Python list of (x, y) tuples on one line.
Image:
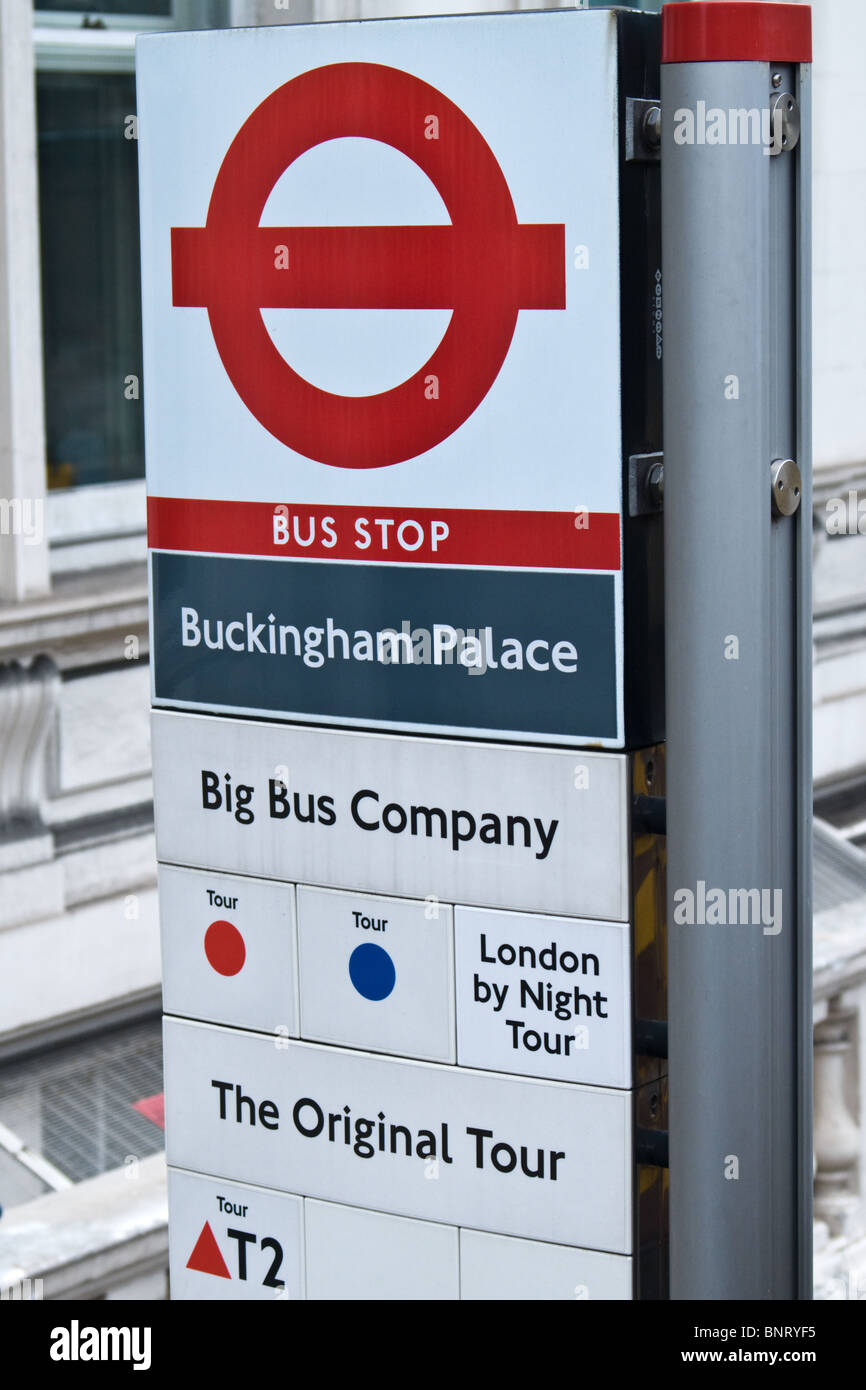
[(724, 31)]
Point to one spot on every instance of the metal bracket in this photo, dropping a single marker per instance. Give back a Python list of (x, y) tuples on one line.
[(646, 484), (643, 129), (649, 815), (651, 1037), (786, 486), (651, 1147), (784, 114)]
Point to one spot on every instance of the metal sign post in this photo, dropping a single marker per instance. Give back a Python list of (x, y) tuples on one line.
[(402, 354), (735, 233)]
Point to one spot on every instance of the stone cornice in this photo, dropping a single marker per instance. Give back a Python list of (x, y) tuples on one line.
[(82, 622)]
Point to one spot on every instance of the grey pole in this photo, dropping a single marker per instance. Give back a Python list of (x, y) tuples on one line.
[(737, 613)]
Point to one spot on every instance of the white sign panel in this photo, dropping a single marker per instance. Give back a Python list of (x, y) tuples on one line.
[(520, 1157), (228, 1240), (377, 973), (520, 1271), (229, 949), (487, 825), (553, 395), (381, 311), (359, 1255), (546, 996)]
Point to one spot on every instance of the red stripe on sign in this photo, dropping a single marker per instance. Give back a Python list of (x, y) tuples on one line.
[(578, 540), (730, 31)]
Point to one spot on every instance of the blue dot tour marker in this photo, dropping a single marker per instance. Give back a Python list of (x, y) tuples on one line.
[(371, 971)]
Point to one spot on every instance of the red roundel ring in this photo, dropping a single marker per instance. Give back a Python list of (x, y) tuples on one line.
[(484, 267)]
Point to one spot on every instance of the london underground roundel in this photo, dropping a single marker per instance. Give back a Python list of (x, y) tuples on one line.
[(484, 266)]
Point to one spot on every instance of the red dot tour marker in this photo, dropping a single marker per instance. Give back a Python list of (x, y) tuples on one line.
[(224, 947), (484, 266)]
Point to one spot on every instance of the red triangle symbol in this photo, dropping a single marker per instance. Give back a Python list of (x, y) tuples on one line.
[(206, 1256)]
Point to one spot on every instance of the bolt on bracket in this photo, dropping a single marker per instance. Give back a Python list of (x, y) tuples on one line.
[(643, 129), (646, 484)]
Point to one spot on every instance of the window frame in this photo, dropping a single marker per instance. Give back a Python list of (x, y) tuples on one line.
[(98, 524), (74, 19)]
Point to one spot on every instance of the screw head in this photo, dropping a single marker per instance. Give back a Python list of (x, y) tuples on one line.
[(777, 79)]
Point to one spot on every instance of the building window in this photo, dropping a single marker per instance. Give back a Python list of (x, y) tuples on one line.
[(91, 293)]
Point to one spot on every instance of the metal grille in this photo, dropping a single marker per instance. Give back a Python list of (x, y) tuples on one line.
[(843, 805), (839, 869), (74, 1104)]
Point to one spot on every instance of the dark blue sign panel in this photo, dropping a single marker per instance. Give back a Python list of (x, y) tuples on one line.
[(528, 653)]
